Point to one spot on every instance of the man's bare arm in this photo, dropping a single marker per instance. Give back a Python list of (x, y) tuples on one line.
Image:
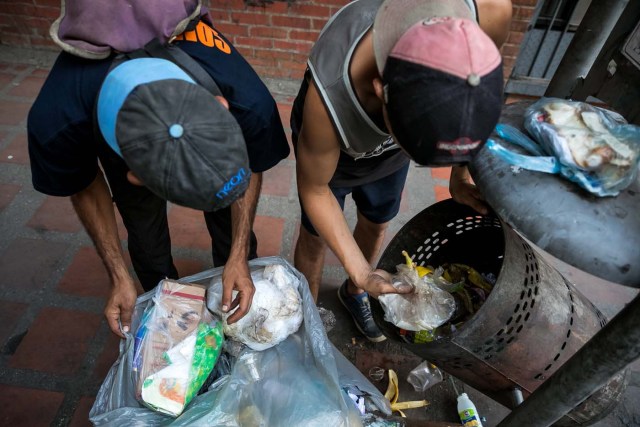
[(317, 158), (95, 210), (236, 273)]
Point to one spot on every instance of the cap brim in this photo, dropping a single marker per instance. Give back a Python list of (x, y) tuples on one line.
[(395, 17)]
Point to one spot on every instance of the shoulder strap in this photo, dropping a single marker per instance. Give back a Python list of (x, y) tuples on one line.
[(156, 49)]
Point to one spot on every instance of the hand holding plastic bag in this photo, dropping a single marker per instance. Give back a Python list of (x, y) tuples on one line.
[(275, 313), (425, 309)]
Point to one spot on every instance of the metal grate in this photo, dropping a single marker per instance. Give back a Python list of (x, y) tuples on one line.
[(550, 32)]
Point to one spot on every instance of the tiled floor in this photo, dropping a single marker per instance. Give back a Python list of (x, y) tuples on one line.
[(55, 347)]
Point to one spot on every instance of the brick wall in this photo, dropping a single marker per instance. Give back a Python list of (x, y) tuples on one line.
[(274, 37)]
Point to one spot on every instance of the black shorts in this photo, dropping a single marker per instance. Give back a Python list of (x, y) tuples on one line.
[(378, 201)]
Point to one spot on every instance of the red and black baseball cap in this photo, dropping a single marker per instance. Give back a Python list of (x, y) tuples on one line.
[(442, 78)]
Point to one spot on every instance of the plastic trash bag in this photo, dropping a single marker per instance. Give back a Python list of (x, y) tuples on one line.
[(288, 384), (424, 309), (590, 146), (275, 313)]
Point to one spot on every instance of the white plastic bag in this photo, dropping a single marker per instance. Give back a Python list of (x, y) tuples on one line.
[(424, 309), (275, 313)]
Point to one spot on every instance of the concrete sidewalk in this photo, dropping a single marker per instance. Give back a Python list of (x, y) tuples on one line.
[(55, 346)]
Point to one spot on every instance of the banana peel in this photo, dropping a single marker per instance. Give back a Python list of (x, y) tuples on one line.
[(393, 393), (421, 270), (456, 272)]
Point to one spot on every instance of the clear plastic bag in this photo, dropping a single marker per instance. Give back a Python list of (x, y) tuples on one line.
[(424, 375), (424, 309), (176, 346), (590, 146), (298, 382)]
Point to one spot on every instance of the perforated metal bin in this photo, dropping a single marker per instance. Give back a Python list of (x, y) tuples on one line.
[(531, 323)]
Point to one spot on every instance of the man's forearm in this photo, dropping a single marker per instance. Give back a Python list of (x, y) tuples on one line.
[(329, 221), (243, 213), (95, 210)]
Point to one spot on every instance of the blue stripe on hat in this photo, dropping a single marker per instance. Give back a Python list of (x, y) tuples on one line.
[(121, 81)]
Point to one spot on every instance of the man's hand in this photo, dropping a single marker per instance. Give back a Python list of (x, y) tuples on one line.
[(464, 191), (378, 282), (119, 307), (236, 276)]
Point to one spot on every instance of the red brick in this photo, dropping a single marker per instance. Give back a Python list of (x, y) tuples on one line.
[(293, 65), (264, 53), (188, 229), (442, 193), (86, 276), (269, 232), (318, 24), (277, 181), (67, 335), (441, 173), (278, 7), (275, 33), (10, 314), (56, 214), (291, 22), (232, 29), (27, 407), (12, 112), (510, 50), (52, 13), (7, 193), (27, 263), (304, 35), (250, 18), (50, 3), (17, 152), (251, 41), (219, 16), (295, 46), (18, 9), (81, 414), (311, 10)]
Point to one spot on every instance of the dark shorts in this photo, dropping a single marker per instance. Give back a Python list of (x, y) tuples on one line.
[(378, 201)]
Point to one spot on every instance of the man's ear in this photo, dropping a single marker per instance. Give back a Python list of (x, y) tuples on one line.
[(378, 87), (133, 179)]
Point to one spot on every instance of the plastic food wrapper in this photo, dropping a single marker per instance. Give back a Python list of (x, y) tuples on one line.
[(297, 382), (593, 147), (175, 347), (275, 313), (424, 309)]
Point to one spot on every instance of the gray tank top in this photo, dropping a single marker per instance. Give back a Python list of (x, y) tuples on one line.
[(329, 63)]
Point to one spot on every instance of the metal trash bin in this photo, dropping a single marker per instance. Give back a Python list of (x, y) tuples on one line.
[(531, 323)]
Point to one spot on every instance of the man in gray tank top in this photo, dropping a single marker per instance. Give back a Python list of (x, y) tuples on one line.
[(389, 81)]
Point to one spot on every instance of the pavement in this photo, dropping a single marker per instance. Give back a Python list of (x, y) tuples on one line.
[(55, 346)]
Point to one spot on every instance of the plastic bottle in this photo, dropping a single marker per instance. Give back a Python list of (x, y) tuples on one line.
[(468, 412)]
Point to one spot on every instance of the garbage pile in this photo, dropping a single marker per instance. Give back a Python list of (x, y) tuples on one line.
[(184, 365)]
